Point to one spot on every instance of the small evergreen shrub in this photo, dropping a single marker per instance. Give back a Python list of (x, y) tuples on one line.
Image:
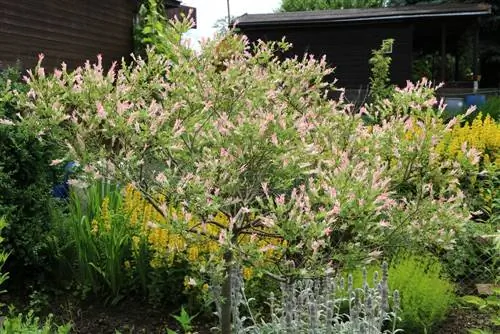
[(26, 179)]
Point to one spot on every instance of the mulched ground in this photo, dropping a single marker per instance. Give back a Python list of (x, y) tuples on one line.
[(126, 317), (461, 319), (135, 316)]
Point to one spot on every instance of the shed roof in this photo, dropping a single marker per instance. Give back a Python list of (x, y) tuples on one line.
[(363, 15)]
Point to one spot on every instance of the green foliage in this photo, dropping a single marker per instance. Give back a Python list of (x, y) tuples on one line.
[(20, 324), (30, 324), (107, 250), (491, 107), (99, 257), (474, 259), (3, 254), (426, 296), (305, 5), (184, 320), (154, 30), (490, 305), (25, 181), (380, 75)]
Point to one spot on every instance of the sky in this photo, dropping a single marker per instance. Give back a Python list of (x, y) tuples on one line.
[(209, 11)]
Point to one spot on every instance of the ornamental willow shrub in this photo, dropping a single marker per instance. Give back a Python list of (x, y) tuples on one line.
[(236, 131)]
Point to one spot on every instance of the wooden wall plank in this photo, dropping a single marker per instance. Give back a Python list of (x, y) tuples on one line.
[(65, 30)]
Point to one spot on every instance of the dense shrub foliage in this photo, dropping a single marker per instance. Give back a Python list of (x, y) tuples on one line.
[(26, 180)]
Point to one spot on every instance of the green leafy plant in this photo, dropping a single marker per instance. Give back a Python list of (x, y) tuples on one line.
[(490, 305), (154, 30), (98, 239), (491, 107), (30, 324), (184, 320), (380, 71), (26, 179), (4, 276)]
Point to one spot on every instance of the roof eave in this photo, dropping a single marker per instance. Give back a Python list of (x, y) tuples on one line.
[(360, 20)]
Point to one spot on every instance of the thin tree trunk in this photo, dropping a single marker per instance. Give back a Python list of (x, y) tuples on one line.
[(226, 294)]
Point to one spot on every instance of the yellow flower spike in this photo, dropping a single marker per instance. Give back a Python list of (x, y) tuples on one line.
[(483, 135), (247, 273), (135, 243), (192, 253), (95, 227), (105, 215)]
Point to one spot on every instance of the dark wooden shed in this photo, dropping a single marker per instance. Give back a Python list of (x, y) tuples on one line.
[(347, 37), (68, 30)]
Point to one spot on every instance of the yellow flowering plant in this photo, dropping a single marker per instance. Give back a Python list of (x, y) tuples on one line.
[(474, 258), (481, 181)]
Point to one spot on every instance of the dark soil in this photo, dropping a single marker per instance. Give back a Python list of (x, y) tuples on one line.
[(129, 316), (136, 316), (461, 319), (126, 317)]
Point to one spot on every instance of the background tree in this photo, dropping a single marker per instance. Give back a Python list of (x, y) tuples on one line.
[(304, 5)]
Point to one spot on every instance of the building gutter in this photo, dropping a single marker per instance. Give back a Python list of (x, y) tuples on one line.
[(358, 20)]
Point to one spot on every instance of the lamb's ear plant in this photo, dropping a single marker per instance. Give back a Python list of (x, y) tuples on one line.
[(315, 305)]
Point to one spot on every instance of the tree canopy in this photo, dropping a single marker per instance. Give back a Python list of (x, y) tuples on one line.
[(304, 5)]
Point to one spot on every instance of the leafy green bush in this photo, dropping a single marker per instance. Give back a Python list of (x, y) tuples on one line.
[(474, 259), (25, 181), (20, 324), (380, 87), (491, 107), (426, 296)]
